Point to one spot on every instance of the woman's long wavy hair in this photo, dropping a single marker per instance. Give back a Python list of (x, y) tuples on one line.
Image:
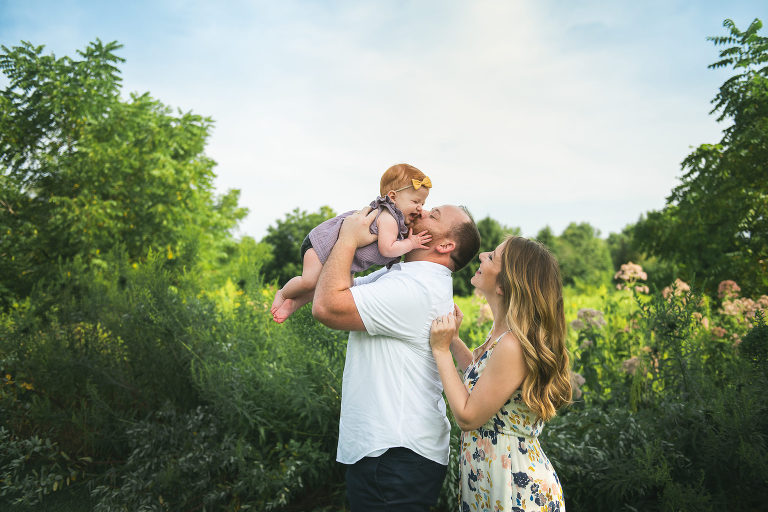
[(532, 291)]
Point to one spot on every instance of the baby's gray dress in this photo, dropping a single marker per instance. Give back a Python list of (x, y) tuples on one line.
[(324, 236)]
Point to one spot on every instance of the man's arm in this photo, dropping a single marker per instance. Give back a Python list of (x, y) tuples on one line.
[(333, 304)]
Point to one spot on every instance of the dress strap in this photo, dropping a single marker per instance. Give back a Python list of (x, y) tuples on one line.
[(499, 338)]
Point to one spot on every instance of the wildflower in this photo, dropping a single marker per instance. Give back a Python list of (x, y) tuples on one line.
[(736, 339), (680, 287), (630, 365), (630, 273), (728, 289), (586, 344), (744, 308), (587, 317), (718, 332), (577, 380)]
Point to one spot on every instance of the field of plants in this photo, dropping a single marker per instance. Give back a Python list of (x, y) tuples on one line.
[(140, 368)]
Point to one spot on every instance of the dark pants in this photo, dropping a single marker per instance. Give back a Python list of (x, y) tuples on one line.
[(398, 480)]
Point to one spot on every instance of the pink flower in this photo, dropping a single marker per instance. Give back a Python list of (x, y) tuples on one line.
[(719, 332), (680, 287), (728, 289), (630, 272)]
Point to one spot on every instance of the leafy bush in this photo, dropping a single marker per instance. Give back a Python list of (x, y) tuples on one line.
[(34, 467)]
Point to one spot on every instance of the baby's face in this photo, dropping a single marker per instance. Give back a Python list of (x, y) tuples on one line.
[(410, 202)]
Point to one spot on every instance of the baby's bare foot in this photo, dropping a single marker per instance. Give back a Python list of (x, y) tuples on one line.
[(285, 311), (279, 299)]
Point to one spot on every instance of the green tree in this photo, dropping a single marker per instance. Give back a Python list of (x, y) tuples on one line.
[(491, 235), (546, 236), (583, 256), (82, 170), (286, 238), (715, 223)]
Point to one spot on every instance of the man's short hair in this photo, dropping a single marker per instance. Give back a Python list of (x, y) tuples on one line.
[(467, 239)]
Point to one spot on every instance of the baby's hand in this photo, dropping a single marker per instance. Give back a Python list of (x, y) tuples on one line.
[(419, 240)]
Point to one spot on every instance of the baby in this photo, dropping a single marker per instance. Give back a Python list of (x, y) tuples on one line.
[(403, 190)]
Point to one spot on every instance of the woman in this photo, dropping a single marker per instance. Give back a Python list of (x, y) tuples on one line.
[(513, 382)]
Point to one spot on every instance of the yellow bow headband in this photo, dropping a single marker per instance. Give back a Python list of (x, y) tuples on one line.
[(416, 184)]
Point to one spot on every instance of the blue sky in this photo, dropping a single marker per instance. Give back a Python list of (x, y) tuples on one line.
[(535, 113)]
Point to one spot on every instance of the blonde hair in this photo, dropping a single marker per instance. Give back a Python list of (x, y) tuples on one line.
[(399, 176), (532, 291)]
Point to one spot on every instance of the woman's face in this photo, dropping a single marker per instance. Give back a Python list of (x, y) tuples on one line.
[(486, 277)]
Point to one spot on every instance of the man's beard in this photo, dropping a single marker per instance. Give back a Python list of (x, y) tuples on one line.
[(418, 226)]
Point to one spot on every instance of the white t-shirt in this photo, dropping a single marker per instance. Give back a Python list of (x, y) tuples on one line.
[(391, 391)]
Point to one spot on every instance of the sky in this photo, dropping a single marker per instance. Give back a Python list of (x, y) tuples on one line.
[(535, 113)]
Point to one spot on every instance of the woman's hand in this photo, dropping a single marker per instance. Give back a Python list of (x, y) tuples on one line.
[(443, 331), (459, 317)]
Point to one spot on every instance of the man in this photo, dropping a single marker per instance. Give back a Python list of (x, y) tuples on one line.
[(393, 431)]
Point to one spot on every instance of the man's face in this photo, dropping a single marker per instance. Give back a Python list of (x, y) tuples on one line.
[(439, 221)]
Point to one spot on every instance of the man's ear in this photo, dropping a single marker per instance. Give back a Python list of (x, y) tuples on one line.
[(445, 246)]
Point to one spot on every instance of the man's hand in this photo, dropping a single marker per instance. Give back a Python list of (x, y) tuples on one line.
[(356, 229)]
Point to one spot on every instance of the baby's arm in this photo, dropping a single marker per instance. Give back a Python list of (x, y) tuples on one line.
[(389, 245)]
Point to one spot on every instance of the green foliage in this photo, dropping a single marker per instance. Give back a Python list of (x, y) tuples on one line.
[(754, 346), (286, 238), (491, 235), (583, 256), (697, 432), (715, 223), (82, 170), (33, 468), (169, 449)]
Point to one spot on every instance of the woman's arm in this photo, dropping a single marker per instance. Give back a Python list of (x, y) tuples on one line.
[(502, 376), (389, 245)]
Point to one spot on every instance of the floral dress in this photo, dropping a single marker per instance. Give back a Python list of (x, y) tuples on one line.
[(502, 465)]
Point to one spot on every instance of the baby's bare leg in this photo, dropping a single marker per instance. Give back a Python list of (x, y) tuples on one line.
[(307, 281), (298, 287), (289, 306)]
